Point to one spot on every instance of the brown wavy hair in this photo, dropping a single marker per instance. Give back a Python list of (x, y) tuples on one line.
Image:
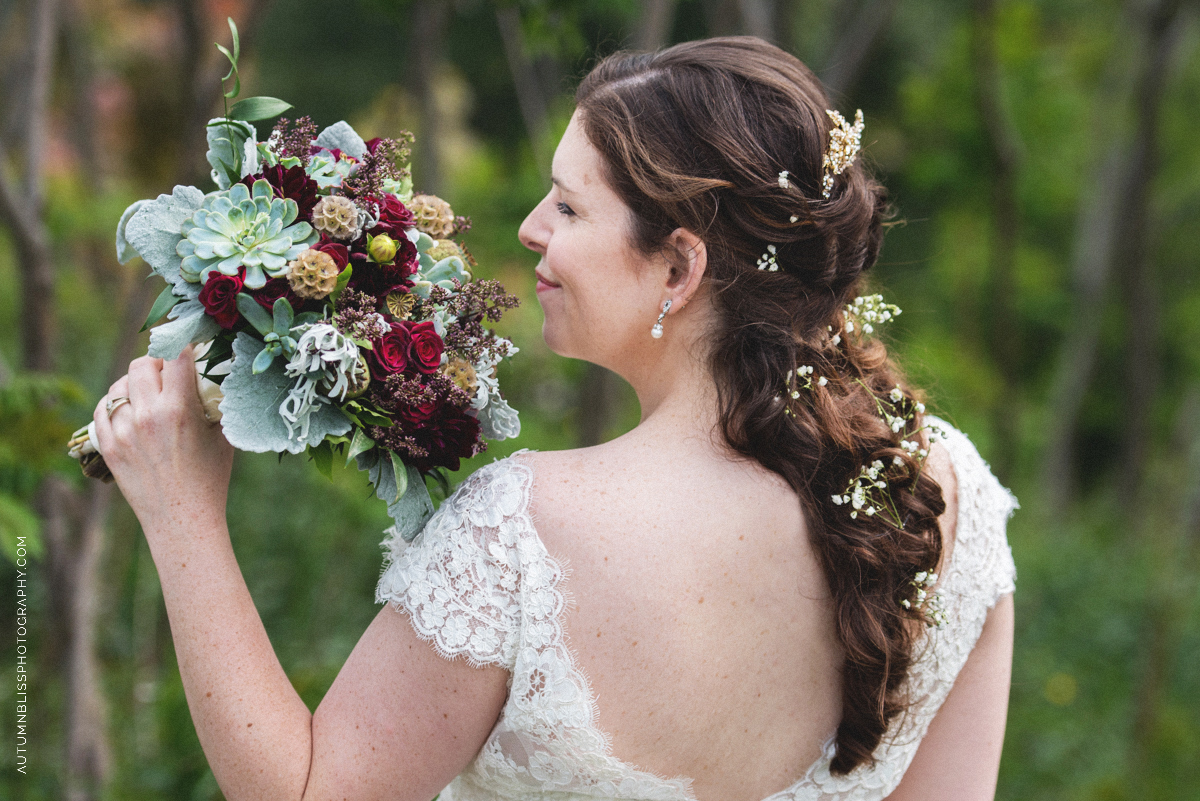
[(695, 137)]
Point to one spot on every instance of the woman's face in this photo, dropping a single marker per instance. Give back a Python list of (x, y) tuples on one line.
[(600, 297)]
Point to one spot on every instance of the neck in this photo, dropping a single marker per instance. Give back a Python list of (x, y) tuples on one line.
[(675, 388)]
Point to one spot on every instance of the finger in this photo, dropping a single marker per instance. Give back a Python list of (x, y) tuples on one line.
[(103, 426), (145, 382), (120, 388), (179, 378)]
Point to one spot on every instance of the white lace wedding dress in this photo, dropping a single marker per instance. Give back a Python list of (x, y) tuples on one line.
[(478, 582)]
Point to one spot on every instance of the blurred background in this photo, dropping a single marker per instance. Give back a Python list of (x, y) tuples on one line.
[(1044, 162)]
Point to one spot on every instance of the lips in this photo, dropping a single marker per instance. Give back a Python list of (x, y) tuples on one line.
[(544, 283)]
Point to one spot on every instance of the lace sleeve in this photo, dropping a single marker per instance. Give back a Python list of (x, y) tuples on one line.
[(458, 581), (984, 509)]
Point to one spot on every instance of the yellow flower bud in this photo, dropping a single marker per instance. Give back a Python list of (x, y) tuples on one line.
[(383, 249)]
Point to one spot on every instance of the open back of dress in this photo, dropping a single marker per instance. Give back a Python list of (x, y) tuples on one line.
[(479, 583)]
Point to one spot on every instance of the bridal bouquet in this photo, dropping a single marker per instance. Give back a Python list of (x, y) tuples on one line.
[(333, 310)]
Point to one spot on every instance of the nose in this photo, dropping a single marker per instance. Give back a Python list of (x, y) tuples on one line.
[(535, 231)]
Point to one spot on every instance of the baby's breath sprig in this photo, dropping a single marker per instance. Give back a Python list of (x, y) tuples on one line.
[(930, 604), (767, 260), (868, 493), (800, 378), (868, 311)]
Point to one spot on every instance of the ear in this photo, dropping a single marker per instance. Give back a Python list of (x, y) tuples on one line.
[(688, 259)]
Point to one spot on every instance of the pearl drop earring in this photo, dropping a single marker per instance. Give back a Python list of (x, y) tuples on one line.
[(657, 330)]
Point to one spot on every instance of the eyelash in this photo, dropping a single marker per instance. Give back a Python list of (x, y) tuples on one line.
[(563, 208)]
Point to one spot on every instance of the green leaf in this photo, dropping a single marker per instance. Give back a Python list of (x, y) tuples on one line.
[(374, 418), (255, 315), (252, 109), (283, 315), (360, 444), (164, 303), (306, 318), (342, 281), (401, 475), (322, 456), (19, 529)]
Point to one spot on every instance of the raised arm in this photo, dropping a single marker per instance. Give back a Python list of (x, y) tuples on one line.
[(399, 721)]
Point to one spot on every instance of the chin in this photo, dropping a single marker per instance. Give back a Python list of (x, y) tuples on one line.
[(558, 344)]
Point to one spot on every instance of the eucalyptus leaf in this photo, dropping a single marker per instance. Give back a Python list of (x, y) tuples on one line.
[(255, 314), (412, 510), (166, 300), (250, 410), (189, 325), (253, 109)]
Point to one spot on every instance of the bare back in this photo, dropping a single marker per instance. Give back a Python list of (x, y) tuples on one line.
[(700, 613)]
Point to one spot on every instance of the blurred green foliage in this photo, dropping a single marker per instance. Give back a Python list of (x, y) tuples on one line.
[(1107, 663)]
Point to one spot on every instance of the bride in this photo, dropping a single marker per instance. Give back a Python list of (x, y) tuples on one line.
[(738, 599)]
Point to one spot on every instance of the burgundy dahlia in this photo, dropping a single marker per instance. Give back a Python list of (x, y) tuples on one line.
[(292, 183), (448, 438)]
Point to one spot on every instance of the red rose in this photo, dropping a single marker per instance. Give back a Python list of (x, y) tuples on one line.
[(336, 251), (390, 353), (219, 297), (421, 414), (394, 217), (425, 350)]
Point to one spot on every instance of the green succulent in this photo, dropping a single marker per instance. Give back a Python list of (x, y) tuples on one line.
[(243, 227)]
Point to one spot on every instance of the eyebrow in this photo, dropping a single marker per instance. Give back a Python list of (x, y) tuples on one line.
[(560, 184)]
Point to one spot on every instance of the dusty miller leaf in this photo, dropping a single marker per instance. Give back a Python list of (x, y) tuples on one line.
[(153, 230), (189, 325), (498, 420), (341, 136), (250, 410)]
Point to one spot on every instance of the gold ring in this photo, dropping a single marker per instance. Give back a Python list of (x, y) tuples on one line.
[(113, 403)]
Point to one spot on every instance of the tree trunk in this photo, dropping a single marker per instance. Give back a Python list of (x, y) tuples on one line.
[(758, 18), (1112, 231), (1003, 153), (1095, 233), (1139, 280), (528, 86), (723, 17), (429, 19), (654, 24), (854, 46)]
